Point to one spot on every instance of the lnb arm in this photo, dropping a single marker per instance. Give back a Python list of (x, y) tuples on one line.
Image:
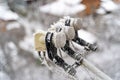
[(88, 46), (76, 23)]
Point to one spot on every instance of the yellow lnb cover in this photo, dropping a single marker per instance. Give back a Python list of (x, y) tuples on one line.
[(39, 41)]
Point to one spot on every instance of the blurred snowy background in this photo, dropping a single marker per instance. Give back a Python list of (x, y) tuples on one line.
[(19, 19)]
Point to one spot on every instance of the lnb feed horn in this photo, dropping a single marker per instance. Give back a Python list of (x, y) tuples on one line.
[(58, 40), (77, 23), (67, 30)]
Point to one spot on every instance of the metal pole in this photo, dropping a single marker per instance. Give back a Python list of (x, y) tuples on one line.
[(92, 68), (95, 70)]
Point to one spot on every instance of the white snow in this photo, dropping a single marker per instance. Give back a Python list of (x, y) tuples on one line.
[(6, 13), (27, 44), (13, 25), (71, 2), (107, 5), (2, 57), (59, 8), (11, 45), (106, 0), (4, 76), (71, 7), (101, 11), (11, 48), (87, 36)]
